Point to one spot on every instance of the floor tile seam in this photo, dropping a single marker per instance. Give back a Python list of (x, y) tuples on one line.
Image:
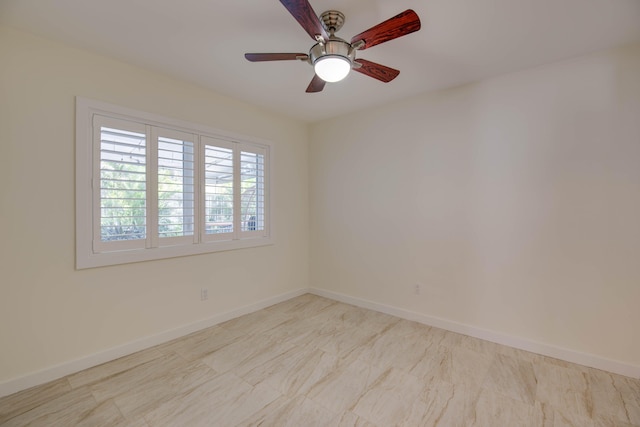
[(194, 358), (303, 347), (186, 393), (516, 383), (332, 414), (3, 421), (562, 409), (571, 418), (113, 402), (249, 332), (235, 340), (362, 358), (57, 409), (339, 364), (177, 345), (183, 392), (539, 396), (184, 360), (235, 369), (96, 402), (475, 394), (66, 379), (412, 365), (383, 382), (115, 374), (147, 380), (552, 380), (254, 388), (191, 386), (410, 335), (329, 410), (425, 384), (441, 411), (367, 417), (326, 379), (596, 403), (344, 355), (232, 367), (180, 361), (261, 420), (139, 415), (369, 383)]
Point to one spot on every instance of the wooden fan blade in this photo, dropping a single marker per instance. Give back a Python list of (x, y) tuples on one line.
[(257, 57), (400, 25), (316, 85), (377, 71), (302, 11)]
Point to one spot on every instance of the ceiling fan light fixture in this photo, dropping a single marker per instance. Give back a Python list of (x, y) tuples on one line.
[(332, 57), (332, 68)]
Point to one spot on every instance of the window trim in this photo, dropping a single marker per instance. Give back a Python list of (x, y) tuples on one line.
[(86, 257)]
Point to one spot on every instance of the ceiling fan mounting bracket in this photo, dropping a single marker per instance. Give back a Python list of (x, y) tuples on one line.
[(357, 45), (332, 20)]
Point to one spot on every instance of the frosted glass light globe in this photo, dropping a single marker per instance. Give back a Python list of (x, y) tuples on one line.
[(332, 68)]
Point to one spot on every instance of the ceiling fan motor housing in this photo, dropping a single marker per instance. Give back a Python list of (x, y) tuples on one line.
[(332, 47)]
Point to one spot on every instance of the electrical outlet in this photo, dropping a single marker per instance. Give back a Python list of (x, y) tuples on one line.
[(416, 289), (204, 294)]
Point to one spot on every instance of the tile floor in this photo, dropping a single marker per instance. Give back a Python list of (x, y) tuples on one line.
[(311, 361)]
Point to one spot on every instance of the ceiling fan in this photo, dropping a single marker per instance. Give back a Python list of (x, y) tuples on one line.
[(333, 57)]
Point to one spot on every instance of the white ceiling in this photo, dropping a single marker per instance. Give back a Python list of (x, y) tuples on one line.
[(203, 41)]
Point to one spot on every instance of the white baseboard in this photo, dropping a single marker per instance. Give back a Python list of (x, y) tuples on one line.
[(58, 371), (568, 355)]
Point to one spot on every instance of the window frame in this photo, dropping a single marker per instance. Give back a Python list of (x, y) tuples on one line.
[(88, 190)]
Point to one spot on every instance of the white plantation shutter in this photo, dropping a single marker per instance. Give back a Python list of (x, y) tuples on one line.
[(175, 200), (121, 203), (252, 184), (219, 188)]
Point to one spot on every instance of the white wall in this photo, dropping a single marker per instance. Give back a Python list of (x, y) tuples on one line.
[(514, 202), (51, 314)]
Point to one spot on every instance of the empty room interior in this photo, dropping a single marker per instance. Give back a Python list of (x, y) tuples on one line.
[(198, 229)]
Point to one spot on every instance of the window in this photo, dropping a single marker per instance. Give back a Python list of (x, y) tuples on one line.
[(149, 187)]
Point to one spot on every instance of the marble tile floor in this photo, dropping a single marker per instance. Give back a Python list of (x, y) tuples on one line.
[(311, 361)]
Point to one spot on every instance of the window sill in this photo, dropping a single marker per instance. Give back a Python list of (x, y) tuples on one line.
[(103, 259)]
